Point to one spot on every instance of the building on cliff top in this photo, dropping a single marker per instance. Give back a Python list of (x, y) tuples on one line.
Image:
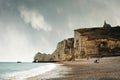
[(100, 41)]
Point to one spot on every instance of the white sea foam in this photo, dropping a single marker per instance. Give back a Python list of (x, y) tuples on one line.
[(22, 75)]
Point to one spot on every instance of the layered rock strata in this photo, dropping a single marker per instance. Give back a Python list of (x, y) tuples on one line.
[(87, 42)]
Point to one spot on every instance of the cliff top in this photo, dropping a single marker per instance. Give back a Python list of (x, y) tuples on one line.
[(101, 32)]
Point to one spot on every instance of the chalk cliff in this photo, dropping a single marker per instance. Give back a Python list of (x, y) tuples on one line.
[(41, 57), (64, 50), (87, 42)]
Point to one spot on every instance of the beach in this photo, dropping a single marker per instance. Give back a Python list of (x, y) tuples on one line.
[(108, 68)]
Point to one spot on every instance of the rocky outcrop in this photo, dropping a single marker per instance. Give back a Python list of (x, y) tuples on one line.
[(42, 57), (64, 50), (87, 42), (93, 42)]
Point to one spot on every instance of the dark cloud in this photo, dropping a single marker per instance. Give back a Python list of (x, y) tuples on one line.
[(28, 26)]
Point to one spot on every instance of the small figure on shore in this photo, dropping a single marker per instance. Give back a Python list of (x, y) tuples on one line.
[(96, 61)]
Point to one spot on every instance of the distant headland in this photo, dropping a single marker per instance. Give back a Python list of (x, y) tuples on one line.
[(87, 43)]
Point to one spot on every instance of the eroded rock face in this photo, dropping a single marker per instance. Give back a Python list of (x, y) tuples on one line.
[(87, 42), (64, 50), (41, 57), (92, 42)]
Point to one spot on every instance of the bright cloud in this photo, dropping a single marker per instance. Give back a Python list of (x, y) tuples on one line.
[(14, 44), (36, 20)]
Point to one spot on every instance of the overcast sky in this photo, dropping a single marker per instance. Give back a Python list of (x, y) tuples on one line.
[(29, 26)]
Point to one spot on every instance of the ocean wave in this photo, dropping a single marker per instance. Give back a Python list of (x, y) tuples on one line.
[(22, 75)]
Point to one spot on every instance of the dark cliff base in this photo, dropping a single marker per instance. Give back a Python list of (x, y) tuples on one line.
[(46, 62)]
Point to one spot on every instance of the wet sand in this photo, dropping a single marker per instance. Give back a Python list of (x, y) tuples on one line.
[(106, 69)]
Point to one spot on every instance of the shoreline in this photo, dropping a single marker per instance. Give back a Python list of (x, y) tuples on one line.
[(54, 73), (106, 69)]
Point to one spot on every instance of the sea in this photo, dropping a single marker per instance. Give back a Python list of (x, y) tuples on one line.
[(24, 70)]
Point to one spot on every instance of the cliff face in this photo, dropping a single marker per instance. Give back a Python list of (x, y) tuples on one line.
[(93, 42), (87, 42), (64, 50), (42, 57)]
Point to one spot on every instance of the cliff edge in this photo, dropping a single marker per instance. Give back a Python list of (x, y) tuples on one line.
[(87, 42)]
